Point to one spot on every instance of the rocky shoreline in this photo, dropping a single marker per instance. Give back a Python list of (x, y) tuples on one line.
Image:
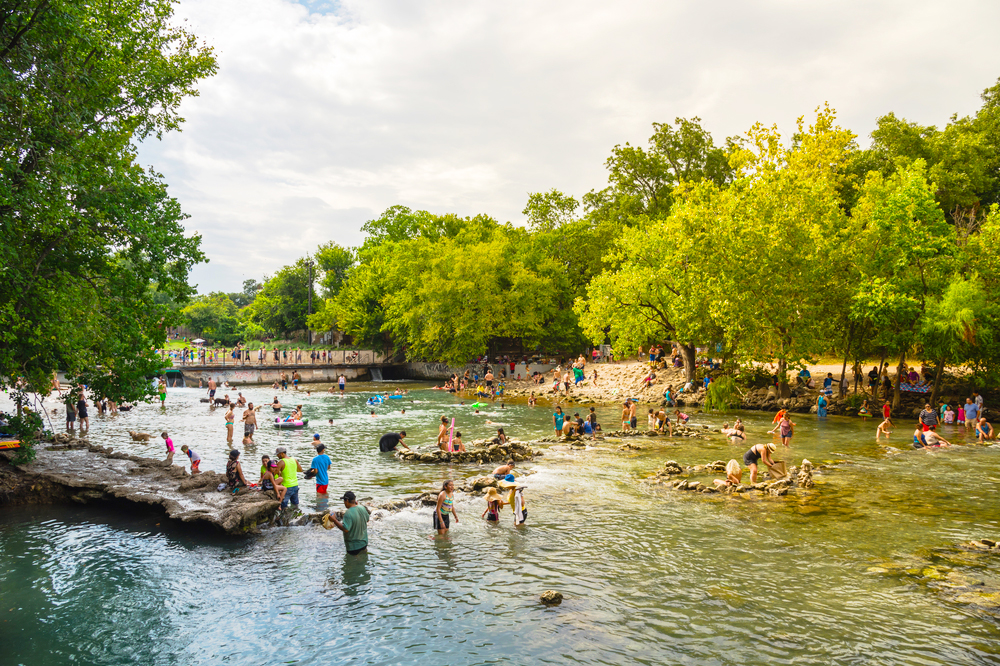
[(673, 476)]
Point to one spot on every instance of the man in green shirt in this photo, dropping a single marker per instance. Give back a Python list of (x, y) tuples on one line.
[(354, 526)]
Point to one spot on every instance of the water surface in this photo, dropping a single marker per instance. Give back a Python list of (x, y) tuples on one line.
[(649, 576)]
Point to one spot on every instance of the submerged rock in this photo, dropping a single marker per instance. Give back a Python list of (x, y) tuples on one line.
[(551, 598)]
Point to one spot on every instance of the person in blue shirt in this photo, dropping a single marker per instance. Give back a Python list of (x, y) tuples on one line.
[(321, 463), (828, 383), (821, 406)]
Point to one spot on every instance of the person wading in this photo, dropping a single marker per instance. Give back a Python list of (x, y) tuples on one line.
[(354, 526)]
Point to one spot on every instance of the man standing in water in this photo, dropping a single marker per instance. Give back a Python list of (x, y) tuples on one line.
[(211, 388), (249, 423), (321, 463), (354, 525), (342, 383)]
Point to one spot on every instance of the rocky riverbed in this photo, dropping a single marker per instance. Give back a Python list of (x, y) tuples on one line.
[(699, 478), (479, 452), (967, 573)]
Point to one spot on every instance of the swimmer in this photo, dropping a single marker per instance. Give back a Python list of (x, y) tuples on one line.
[(445, 508), (502, 471), (884, 428)]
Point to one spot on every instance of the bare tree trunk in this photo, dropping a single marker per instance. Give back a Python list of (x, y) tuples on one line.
[(937, 382), (899, 379), (783, 390), (688, 355), (843, 376)]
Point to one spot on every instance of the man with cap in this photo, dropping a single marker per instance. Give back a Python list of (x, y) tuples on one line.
[(390, 440), (288, 468), (321, 463), (354, 525)]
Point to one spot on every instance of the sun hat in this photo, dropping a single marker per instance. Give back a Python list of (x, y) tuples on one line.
[(492, 494), (506, 485)]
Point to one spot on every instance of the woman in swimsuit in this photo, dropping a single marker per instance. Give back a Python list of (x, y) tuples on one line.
[(754, 455), (442, 440), (234, 471), (787, 429), (445, 508), (230, 420)]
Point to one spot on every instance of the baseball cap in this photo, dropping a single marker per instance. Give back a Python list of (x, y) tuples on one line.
[(316, 436), (321, 447), (349, 496), (280, 449)]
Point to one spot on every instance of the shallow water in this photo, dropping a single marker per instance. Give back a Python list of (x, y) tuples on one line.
[(649, 576)]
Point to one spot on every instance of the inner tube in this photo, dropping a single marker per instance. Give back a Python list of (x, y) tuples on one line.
[(375, 400), (395, 397), (478, 404), (278, 423)]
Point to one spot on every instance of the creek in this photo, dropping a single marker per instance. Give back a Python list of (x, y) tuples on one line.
[(648, 576)]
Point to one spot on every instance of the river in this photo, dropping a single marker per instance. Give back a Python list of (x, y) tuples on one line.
[(649, 576)]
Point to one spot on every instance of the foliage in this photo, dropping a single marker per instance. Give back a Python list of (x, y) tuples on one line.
[(282, 304), (214, 317), (722, 394), (85, 231), (25, 424)]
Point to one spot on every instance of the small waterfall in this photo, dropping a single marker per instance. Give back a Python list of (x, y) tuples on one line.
[(376, 374)]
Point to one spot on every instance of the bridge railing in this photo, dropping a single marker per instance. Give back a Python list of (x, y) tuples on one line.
[(252, 359)]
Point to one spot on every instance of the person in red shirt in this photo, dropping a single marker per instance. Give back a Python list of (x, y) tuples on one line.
[(886, 410)]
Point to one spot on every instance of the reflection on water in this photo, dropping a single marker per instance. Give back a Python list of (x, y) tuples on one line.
[(648, 576)]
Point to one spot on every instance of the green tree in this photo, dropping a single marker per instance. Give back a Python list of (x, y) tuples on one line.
[(84, 231), (214, 316), (905, 257), (282, 304)]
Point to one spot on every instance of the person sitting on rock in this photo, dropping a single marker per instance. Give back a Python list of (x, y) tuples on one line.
[(931, 438), (681, 416), (501, 436), (734, 475), (502, 471), (234, 472), (268, 480), (457, 445), (984, 430)]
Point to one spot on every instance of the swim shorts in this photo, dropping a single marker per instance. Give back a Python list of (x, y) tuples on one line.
[(211, 393), (634, 422), (322, 489), (248, 429), (194, 465), (447, 520)]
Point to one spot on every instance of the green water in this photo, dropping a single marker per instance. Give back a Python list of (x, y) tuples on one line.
[(649, 576)]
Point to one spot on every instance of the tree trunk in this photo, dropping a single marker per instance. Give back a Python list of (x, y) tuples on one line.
[(937, 382), (783, 390), (899, 379), (843, 376), (856, 382), (688, 355)]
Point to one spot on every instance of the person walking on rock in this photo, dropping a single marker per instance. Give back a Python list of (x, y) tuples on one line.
[(354, 525)]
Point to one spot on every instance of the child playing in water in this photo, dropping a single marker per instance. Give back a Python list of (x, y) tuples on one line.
[(493, 505), (883, 429), (863, 412), (681, 416), (949, 415), (269, 480), (170, 446), (194, 457)]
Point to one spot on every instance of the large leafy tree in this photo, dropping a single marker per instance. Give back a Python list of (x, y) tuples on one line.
[(84, 230), (282, 304)]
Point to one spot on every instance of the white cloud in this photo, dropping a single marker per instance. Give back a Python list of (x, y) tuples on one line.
[(319, 121)]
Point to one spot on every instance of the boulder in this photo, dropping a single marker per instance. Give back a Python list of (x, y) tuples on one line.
[(551, 598)]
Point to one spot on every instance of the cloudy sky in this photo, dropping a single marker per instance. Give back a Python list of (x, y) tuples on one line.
[(323, 114)]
